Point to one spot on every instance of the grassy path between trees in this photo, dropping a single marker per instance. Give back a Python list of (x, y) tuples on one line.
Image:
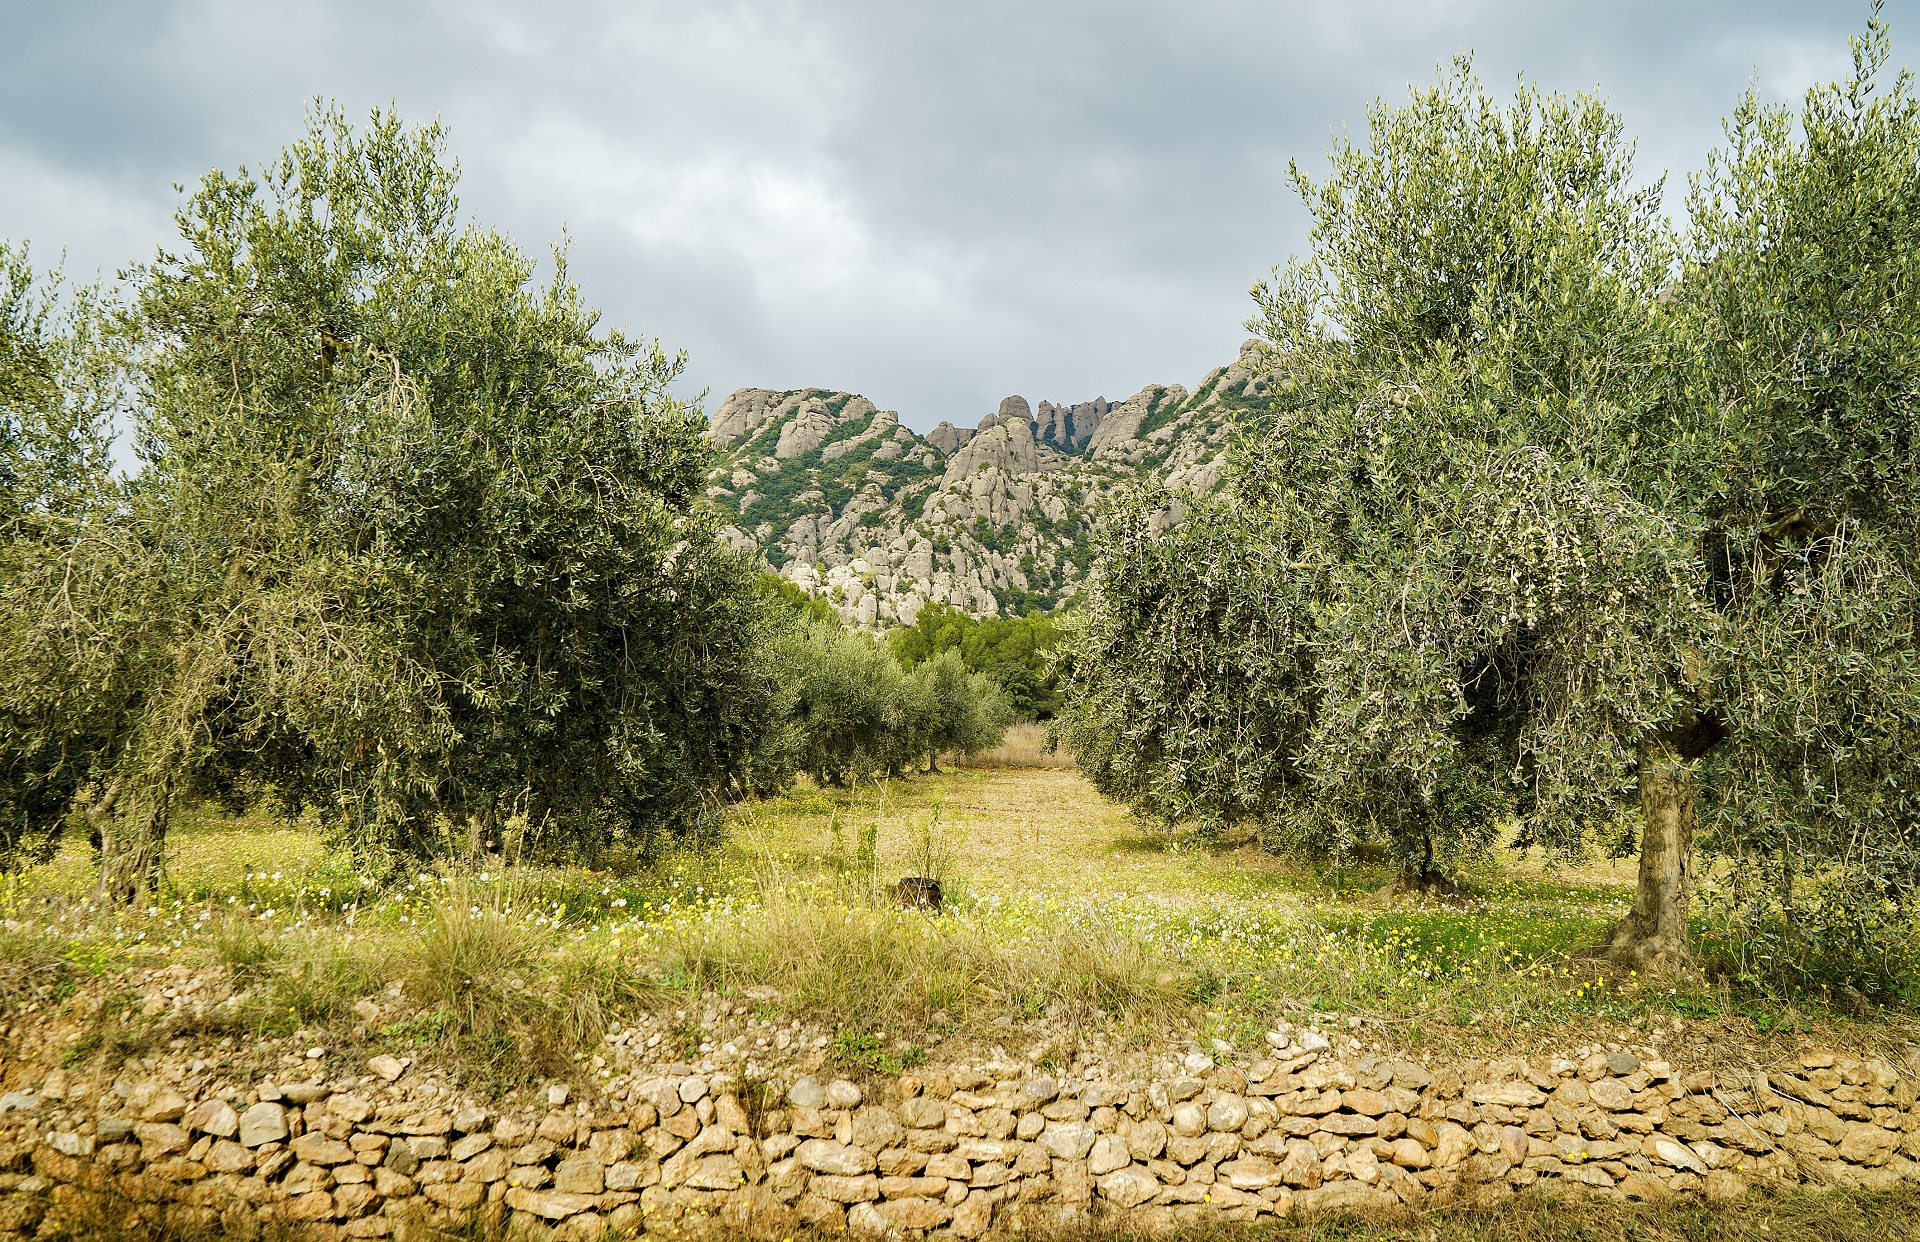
[(1067, 919)]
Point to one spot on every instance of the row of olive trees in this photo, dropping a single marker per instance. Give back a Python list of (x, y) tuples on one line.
[(409, 542), (853, 711), (1561, 517)]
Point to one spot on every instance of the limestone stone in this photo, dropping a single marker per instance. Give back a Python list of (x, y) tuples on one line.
[(349, 1107), (713, 1173), (1227, 1114), (1506, 1095), (1109, 1154), (834, 1158), (1250, 1173), (319, 1149), (1147, 1139), (1868, 1145), (1367, 1103), (160, 1138), (1183, 1150), (215, 1117), (897, 1186), (875, 1128), (973, 1215), (1068, 1140), (1453, 1146), (1128, 1187), (1347, 1196), (949, 1165), (580, 1174), (807, 1093), (470, 1146), (550, 1204), (312, 1206), (262, 1123), (1671, 1152), (227, 1156), (1611, 1095), (1038, 1091), (862, 1189), (912, 1213)]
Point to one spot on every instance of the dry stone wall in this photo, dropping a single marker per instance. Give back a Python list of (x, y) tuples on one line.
[(950, 1151)]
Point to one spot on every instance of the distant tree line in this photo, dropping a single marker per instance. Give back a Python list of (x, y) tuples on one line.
[(1018, 653), (1562, 519)]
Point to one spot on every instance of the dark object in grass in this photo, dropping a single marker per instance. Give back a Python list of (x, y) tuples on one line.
[(916, 892)]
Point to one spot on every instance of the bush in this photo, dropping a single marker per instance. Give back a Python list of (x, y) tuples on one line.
[(955, 711), (853, 711)]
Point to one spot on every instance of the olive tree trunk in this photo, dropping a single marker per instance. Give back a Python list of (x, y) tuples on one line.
[(1652, 939)]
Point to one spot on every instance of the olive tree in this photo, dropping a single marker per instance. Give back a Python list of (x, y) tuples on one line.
[(955, 710), (1188, 675), (1558, 516), (1795, 442), (412, 542), (852, 712), (1451, 601), (64, 682)]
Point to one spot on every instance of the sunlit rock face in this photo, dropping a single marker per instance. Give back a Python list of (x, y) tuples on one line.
[(995, 519)]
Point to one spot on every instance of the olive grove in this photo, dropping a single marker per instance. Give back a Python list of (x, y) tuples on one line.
[(1560, 519)]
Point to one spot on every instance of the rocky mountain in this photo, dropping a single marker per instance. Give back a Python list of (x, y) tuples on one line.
[(996, 519)]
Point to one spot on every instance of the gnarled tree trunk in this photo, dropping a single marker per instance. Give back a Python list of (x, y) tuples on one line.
[(1652, 939)]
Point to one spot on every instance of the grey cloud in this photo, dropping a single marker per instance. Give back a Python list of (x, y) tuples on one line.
[(933, 204)]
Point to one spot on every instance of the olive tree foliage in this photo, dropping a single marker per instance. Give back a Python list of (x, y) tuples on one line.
[(955, 710), (852, 716), (1436, 590), (1188, 672), (1555, 515), (61, 690), (1801, 305), (856, 714), (415, 543)]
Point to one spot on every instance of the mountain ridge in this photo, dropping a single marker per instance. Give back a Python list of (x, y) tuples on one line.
[(851, 505)]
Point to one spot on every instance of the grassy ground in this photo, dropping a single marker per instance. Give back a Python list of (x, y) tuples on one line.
[(1065, 916), (1789, 1217)]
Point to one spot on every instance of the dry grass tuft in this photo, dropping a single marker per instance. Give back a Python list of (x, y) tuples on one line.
[(499, 996), (1809, 1215), (34, 965), (871, 966), (1025, 747)]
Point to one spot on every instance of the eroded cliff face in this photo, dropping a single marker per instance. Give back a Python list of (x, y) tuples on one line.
[(994, 519)]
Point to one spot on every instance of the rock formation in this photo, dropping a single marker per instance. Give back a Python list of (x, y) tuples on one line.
[(995, 519)]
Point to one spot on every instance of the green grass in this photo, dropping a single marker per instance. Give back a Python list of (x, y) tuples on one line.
[(1061, 907)]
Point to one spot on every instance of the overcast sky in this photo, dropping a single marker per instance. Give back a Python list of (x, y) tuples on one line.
[(934, 204)]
